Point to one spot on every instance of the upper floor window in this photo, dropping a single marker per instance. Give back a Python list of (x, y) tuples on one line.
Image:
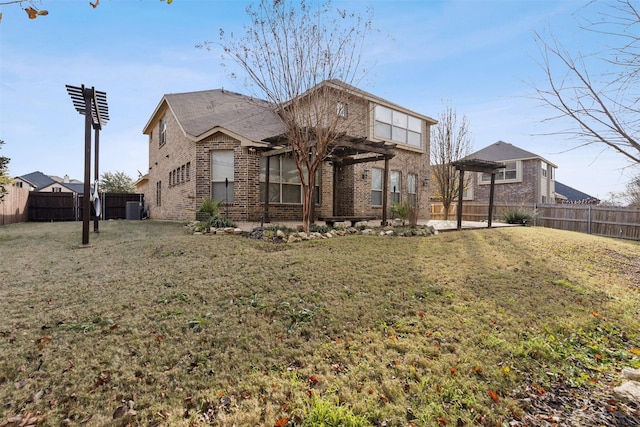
[(512, 173), (163, 131), (544, 169), (398, 127), (341, 109)]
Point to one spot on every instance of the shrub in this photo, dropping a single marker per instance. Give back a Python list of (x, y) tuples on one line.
[(517, 216), (406, 211), (210, 207), (220, 222)]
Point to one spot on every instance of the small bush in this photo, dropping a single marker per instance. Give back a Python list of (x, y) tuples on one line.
[(517, 216), (406, 211), (220, 222), (209, 206)]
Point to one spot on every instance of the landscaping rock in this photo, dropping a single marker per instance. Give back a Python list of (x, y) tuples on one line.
[(631, 374), (628, 392), (280, 234)]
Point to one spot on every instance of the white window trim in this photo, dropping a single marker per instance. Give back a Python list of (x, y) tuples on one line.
[(406, 128), (518, 177)]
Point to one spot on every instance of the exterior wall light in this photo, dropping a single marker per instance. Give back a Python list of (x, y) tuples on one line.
[(365, 173)]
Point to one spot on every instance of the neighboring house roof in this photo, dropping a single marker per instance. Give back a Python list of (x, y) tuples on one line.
[(37, 179), (74, 187), (501, 151), (574, 196), (199, 113)]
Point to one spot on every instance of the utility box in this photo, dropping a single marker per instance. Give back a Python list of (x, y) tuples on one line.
[(133, 210)]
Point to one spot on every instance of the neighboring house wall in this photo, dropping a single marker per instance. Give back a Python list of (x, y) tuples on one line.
[(56, 187), (527, 179)]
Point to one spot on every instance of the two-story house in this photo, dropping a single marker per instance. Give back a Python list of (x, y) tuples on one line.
[(527, 178), (228, 146)]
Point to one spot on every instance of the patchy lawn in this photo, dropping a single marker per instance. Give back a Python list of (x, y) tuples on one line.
[(154, 326)]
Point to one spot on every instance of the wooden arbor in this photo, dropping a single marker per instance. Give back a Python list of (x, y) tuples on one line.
[(93, 105), (476, 165)]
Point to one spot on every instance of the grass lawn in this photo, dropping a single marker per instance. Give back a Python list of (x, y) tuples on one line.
[(154, 326)]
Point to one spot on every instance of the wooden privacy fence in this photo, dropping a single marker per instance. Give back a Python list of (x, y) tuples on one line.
[(470, 211), (68, 206), (13, 208), (605, 221)]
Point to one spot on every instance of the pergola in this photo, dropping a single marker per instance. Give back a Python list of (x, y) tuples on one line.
[(346, 150), (476, 165), (93, 105)]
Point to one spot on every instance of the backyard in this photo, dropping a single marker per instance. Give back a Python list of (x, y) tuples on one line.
[(152, 325)]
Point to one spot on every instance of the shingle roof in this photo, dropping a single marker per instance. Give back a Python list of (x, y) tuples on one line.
[(37, 179), (572, 194), (199, 112), (501, 151)]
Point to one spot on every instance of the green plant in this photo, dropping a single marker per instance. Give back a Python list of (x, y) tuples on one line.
[(220, 222), (407, 212), (210, 206), (325, 413), (517, 216)]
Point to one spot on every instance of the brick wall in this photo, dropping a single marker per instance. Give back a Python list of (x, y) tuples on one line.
[(526, 191), (178, 202), (181, 200)]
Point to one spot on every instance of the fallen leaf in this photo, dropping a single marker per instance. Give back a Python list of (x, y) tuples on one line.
[(313, 379), (114, 326), (282, 422), (420, 314), (453, 371), (635, 351), (477, 369), (246, 395), (442, 421), (120, 412), (494, 396)]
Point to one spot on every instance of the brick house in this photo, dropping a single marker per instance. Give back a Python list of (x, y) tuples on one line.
[(527, 178), (219, 144)]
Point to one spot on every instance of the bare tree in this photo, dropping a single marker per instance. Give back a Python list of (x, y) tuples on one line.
[(603, 108), (632, 193), (450, 141), (296, 55)]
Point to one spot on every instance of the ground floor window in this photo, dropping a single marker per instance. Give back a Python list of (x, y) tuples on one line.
[(376, 186), (222, 171), (394, 184), (285, 185), (412, 189)]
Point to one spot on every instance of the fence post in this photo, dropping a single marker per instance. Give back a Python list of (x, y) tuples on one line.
[(589, 221), (535, 214)]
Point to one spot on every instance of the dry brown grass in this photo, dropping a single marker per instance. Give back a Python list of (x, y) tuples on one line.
[(180, 329)]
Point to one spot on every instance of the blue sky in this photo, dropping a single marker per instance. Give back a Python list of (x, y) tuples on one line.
[(478, 56)]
